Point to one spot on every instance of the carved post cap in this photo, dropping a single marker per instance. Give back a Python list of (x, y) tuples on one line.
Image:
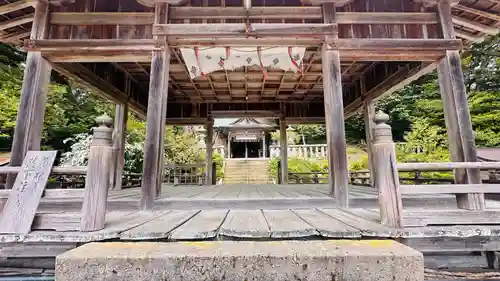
[(103, 133), (382, 131)]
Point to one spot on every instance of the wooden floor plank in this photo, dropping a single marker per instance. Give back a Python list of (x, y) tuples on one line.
[(160, 227), (210, 192), (232, 191), (204, 225), (116, 223), (245, 224), (249, 191), (286, 224), (326, 225), (366, 226), (267, 192)]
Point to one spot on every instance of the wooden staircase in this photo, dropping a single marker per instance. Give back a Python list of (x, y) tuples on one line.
[(249, 171)]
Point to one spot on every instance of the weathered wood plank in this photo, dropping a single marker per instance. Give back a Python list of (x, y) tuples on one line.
[(283, 152), (57, 221), (286, 224), (116, 223), (367, 227), (445, 166), (119, 134), (204, 225), (245, 224), (449, 188), (446, 244), (160, 227), (459, 231), (19, 211), (446, 217), (21, 250), (327, 226)]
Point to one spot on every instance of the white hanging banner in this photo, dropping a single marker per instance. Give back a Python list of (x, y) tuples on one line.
[(219, 58)]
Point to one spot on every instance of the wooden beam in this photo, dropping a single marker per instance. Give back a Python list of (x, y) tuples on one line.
[(98, 57), (242, 30), (241, 41), (14, 37), (16, 22), (385, 18), (209, 151), (14, 6), (474, 25), (469, 37), (79, 45), (477, 12), (102, 18), (90, 80), (305, 12), (395, 44)]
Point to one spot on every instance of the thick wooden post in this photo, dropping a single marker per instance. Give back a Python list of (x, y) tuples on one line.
[(158, 84), (97, 181), (209, 151), (31, 111), (386, 173), (119, 134), (283, 152), (334, 114), (461, 138), (335, 130), (369, 114)]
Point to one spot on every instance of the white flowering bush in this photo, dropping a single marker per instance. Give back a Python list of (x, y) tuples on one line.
[(78, 155)]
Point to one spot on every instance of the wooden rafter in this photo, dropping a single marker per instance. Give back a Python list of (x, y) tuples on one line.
[(187, 72), (11, 7), (16, 22), (477, 12), (474, 25)]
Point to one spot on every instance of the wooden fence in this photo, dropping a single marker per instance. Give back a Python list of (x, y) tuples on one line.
[(469, 191)]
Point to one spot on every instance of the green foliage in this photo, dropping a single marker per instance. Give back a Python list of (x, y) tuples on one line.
[(299, 165), (360, 164)]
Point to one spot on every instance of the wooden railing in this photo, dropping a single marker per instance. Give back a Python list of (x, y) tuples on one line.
[(469, 192), (304, 178), (308, 151)]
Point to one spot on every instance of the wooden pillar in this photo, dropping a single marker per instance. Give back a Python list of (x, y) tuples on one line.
[(229, 145), (209, 151), (457, 117), (264, 145), (386, 178), (334, 114), (283, 151), (98, 173), (369, 114), (119, 134), (158, 85), (31, 111)]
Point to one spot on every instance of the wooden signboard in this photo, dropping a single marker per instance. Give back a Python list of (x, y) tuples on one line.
[(20, 209)]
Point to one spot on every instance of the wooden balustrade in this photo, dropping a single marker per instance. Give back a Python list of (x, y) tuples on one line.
[(97, 182), (307, 151)]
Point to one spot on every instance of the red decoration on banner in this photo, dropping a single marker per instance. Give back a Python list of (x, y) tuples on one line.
[(293, 61), (264, 71), (197, 54)]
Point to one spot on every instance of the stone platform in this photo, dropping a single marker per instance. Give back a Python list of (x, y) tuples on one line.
[(316, 260)]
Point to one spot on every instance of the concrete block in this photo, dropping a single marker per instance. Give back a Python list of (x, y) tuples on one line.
[(321, 260)]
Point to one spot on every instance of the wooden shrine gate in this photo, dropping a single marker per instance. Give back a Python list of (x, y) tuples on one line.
[(134, 53)]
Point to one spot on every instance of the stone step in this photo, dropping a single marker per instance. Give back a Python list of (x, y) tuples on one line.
[(318, 260)]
